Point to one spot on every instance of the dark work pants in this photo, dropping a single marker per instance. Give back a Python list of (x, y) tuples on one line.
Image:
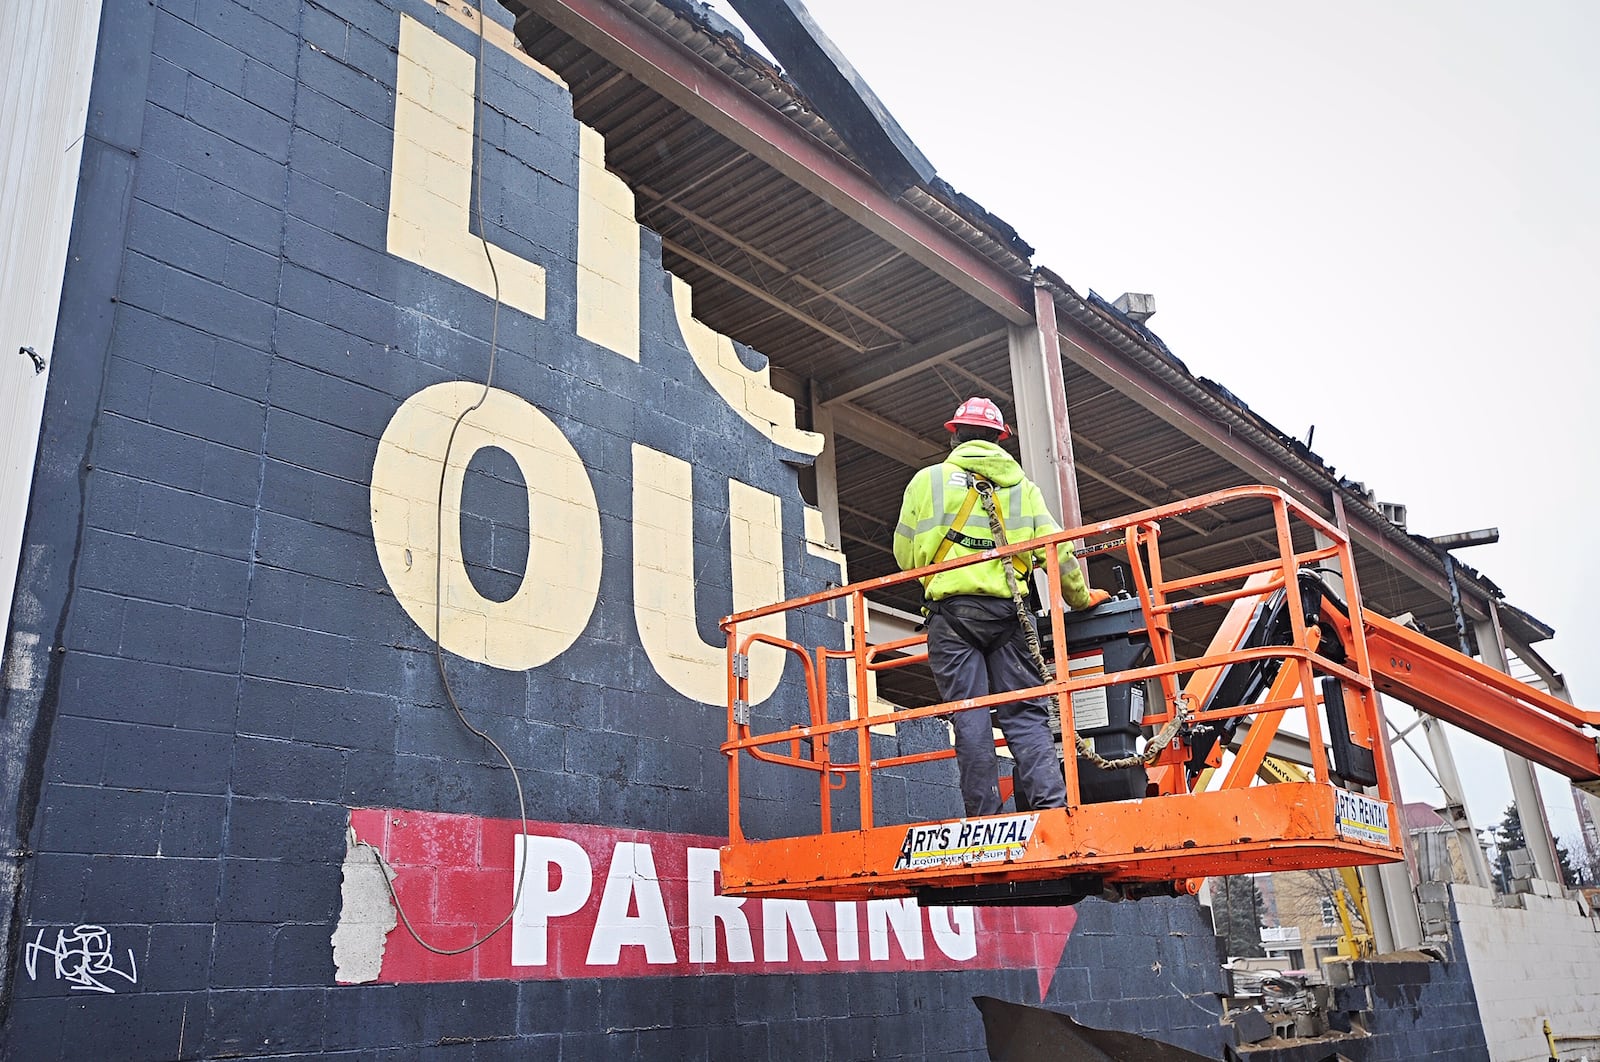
[(976, 647)]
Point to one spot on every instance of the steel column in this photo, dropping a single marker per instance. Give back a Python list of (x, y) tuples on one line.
[(826, 466), (1455, 807), (1038, 386), (1524, 786)]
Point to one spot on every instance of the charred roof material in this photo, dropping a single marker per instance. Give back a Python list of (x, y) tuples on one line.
[(712, 38), (834, 86)]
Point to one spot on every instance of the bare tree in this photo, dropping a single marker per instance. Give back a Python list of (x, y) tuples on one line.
[(1583, 864), (1331, 882)]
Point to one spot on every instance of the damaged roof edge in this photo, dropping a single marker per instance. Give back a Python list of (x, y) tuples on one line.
[(691, 25), (1127, 340)]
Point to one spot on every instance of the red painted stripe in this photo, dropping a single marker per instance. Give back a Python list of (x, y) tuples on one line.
[(604, 902)]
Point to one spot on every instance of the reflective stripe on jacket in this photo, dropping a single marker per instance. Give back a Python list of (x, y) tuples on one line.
[(932, 501)]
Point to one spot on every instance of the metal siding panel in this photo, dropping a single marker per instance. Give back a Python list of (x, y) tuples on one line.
[(48, 49)]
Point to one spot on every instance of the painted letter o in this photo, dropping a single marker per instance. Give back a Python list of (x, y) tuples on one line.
[(552, 605)]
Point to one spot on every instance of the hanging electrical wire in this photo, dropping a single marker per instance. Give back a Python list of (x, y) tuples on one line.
[(438, 595)]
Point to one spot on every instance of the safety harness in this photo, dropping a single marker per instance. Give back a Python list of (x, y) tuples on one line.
[(980, 489), (954, 534)]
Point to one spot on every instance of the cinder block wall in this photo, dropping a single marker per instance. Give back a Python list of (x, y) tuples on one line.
[(276, 305), (1411, 1010), (1535, 957)]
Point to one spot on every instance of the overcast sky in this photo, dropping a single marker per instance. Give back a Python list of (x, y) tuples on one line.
[(1381, 219)]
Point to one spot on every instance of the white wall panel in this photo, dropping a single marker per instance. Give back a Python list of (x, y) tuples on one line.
[(47, 52), (1534, 957)]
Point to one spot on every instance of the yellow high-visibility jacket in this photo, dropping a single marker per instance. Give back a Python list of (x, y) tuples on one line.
[(933, 500)]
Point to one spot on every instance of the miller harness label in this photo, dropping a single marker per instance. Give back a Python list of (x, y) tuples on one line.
[(1361, 818), (965, 842)]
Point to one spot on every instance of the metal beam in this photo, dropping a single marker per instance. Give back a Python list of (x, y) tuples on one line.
[(626, 40), (1044, 429), (914, 451), (1081, 443), (1168, 403), (661, 202), (1554, 680), (862, 540), (980, 384), (881, 370), (886, 437), (826, 465), (1455, 804), (871, 518), (1085, 469), (886, 624), (787, 382), (835, 88), (1224, 539), (1287, 746), (1586, 803), (781, 305)]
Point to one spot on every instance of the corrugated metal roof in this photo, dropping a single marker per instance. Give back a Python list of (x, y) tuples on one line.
[(828, 299)]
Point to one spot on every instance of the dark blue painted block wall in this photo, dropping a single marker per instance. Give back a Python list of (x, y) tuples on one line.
[(226, 672), (1415, 1010)]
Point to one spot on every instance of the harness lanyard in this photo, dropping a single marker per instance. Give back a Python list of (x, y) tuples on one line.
[(1047, 671)]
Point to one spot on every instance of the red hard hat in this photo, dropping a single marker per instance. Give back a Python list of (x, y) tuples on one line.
[(981, 413)]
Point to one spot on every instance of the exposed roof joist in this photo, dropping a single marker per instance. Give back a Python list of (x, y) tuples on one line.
[(766, 195), (886, 437), (914, 451), (778, 303), (1160, 397), (661, 202)]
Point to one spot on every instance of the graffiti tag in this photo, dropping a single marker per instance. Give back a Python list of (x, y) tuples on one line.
[(82, 958)]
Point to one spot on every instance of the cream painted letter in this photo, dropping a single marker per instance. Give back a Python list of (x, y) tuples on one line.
[(430, 183), (749, 394), (663, 578), (558, 591), (608, 252)]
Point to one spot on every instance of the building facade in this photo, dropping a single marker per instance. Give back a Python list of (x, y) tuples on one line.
[(278, 316)]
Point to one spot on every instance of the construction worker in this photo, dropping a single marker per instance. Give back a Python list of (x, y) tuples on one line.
[(976, 643)]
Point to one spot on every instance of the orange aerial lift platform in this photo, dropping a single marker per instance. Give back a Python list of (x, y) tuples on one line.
[(1148, 725)]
